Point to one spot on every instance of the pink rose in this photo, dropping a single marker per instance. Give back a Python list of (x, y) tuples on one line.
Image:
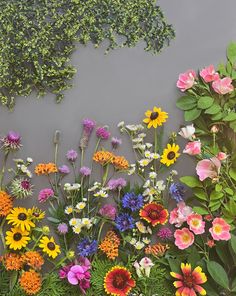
[(186, 80), (223, 86), (208, 168), (209, 74), (193, 148), (184, 238), (196, 224), (222, 156), (180, 214), (220, 230)]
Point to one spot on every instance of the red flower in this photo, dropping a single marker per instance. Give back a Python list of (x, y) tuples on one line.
[(154, 213), (118, 281)]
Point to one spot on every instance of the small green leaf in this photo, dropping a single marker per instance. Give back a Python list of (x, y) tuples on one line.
[(229, 191), (200, 210), (205, 102), (53, 220), (230, 117), (186, 103), (218, 274), (231, 52), (192, 114), (232, 173), (217, 116), (200, 193), (218, 187), (233, 242), (214, 109), (215, 195), (191, 181)]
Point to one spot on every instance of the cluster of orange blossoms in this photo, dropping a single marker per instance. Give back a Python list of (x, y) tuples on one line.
[(110, 245), (6, 204), (157, 250), (45, 168), (105, 157), (31, 282)]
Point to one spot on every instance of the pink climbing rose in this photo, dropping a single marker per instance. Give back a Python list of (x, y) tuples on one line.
[(184, 238), (209, 74), (186, 80), (220, 230), (193, 148), (223, 86)]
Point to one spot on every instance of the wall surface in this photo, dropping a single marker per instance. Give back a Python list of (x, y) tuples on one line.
[(124, 83)]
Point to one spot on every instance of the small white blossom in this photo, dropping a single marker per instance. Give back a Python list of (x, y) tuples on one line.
[(142, 135), (69, 210), (29, 159), (137, 140), (139, 245), (80, 205), (144, 162), (149, 145), (77, 229), (152, 175)]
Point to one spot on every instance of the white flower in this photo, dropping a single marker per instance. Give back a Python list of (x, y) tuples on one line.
[(155, 156), (80, 205), (174, 172), (146, 240), (95, 186), (77, 229), (142, 135), (140, 127), (139, 146), (187, 132), (121, 124), (69, 210), (147, 154), (146, 264), (144, 162), (133, 241), (152, 175), (141, 227), (160, 185), (23, 168), (137, 140), (101, 193), (132, 127), (74, 222), (146, 184), (139, 245), (29, 174), (29, 159), (131, 171), (86, 222), (149, 145)]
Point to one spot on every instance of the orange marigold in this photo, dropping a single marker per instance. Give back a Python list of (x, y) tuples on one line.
[(45, 168), (110, 245), (30, 282), (157, 250), (33, 259), (6, 204), (103, 157), (120, 162), (12, 261)]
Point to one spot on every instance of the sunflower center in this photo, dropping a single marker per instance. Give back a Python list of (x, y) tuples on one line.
[(17, 236), (119, 281), (188, 280), (22, 216), (171, 155), (154, 115), (153, 214), (51, 246)]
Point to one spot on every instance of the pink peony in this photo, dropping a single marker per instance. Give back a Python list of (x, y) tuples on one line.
[(223, 86), (220, 230), (222, 156), (180, 214), (208, 168), (186, 80), (193, 148), (196, 224), (209, 74), (184, 238)]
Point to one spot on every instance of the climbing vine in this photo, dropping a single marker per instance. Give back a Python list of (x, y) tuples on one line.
[(37, 38)]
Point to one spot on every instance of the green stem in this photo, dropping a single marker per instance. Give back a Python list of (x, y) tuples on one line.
[(3, 169), (104, 178), (2, 235), (100, 231), (37, 241)]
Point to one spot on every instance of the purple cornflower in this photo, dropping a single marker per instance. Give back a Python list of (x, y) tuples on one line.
[(177, 192), (103, 133), (165, 233), (45, 194), (62, 228), (124, 222), (115, 142), (114, 184), (12, 141), (71, 155), (132, 201), (108, 211), (64, 169), (87, 247), (85, 171), (88, 126)]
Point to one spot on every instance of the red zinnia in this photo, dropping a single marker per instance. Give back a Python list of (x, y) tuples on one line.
[(118, 281), (154, 213)]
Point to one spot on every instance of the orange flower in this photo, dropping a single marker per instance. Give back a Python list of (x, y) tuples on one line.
[(6, 204), (33, 259), (110, 245), (30, 282), (45, 168), (12, 261), (103, 157), (120, 162), (157, 250)]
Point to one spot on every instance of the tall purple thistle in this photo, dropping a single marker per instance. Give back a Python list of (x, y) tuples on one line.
[(103, 133), (88, 126), (12, 141)]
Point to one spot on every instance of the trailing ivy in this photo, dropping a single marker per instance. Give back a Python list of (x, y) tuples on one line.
[(37, 38)]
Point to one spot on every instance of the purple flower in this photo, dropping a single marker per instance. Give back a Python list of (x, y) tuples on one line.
[(85, 171), (64, 169), (177, 192), (12, 141), (103, 133), (124, 222), (87, 247), (114, 184), (25, 184), (132, 201), (115, 142), (79, 275), (63, 272), (165, 233), (45, 194), (108, 211), (62, 228), (71, 155), (88, 125)]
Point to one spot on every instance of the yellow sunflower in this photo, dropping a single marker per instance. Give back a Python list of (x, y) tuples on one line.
[(49, 246), (155, 117), (170, 154), (36, 213), (17, 238), (20, 217)]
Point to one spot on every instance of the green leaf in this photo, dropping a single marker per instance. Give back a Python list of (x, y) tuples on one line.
[(230, 117), (233, 243), (192, 114), (222, 70), (214, 109), (205, 102), (200, 193), (53, 220), (232, 173), (215, 195), (218, 187), (231, 52), (191, 181), (218, 274), (186, 103), (229, 191), (200, 210), (217, 116)]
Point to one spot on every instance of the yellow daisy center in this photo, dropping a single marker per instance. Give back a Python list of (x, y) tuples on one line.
[(217, 229), (195, 223), (186, 238)]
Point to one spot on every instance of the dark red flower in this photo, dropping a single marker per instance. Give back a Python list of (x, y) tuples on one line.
[(154, 213)]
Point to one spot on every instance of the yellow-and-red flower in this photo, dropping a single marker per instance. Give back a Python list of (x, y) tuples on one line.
[(154, 213), (118, 281), (188, 283)]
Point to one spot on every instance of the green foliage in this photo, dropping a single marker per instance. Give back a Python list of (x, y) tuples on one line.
[(37, 38)]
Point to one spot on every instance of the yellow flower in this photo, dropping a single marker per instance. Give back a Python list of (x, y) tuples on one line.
[(20, 217), (17, 238), (36, 213), (49, 247), (155, 117), (170, 154)]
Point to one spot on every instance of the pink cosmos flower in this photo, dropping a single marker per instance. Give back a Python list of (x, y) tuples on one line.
[(208, 168), (220, 230), (222, 156), (186, 80), (209, 74), (223, 86), (196, 224), (180, 214), (184, 238), (193, 148)]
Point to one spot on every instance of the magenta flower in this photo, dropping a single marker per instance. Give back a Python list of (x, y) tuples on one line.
[(103, 133), (222, 156), (79, 275), (193, 148), (45, 194), (208, 168), (88, 125), (165, 233), (220, 230), (71, 155), (108, 211), (64, 169), (186, 80), (63, 272), (209, 74), (223, 86), (115, 184), (12, 141), (85, 171)]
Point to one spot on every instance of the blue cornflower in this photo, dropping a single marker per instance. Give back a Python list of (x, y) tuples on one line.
[(132, 201), (124, 222), (87, 247), (177, 191)]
